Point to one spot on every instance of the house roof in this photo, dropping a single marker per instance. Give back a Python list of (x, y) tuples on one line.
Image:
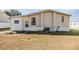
[(44, 11), (5, 15)]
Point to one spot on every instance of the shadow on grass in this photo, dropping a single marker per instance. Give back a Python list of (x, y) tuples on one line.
[(4, 29), (70, 33)]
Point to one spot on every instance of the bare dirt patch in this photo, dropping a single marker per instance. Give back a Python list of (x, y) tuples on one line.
[(38, 42)]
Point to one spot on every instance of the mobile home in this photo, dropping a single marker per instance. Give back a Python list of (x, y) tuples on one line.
[(46, 20), (74, 25), (4, 20)]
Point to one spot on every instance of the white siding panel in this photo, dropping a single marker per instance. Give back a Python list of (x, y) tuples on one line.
[(4, 25), (34, 28), (16, 27), (60, 29), (63, 29)]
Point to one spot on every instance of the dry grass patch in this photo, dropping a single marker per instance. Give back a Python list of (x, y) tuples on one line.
[(38, 42)]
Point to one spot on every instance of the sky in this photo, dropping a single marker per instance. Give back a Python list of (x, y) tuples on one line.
[(73, 12)]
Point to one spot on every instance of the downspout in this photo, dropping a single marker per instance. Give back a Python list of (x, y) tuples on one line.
[(22, 24), (52, 21), (10, 22), (40, 19), (43, 20)]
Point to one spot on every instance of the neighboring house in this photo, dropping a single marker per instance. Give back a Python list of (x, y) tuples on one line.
[(4, 20), (74, 25), (46, 20)]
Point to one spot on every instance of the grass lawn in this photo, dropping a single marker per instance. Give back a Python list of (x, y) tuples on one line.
[(71, 32), (4, 29), (37, 41)]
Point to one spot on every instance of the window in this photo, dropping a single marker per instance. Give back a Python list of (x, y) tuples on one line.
[(16, 21), (33, 21), (62, 20), (26, 24)]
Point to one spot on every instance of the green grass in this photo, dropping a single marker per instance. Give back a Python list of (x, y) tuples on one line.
[(4, 29), (71, 32)]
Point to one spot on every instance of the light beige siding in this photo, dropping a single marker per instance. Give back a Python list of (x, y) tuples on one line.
[(42, 19), (24, 20), (47, 19), (37, 16), (31, 27), (58, 22)]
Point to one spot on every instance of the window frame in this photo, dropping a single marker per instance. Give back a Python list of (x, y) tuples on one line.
[(33, 21), (62, 19), (16, 21), (26, 24)]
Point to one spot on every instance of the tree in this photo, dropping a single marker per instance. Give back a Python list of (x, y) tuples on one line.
[(12, 12)]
